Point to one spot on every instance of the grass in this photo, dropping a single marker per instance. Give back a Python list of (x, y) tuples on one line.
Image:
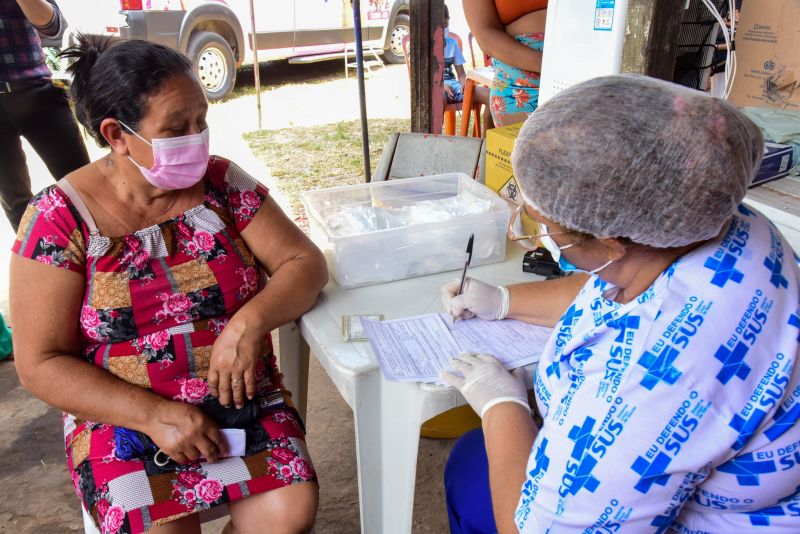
[(275, 74), (305, 158)]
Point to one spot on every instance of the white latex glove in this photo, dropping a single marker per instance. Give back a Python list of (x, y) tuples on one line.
[(485, 382), (479, 298)]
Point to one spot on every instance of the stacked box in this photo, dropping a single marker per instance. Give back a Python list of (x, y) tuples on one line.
[(776, 163), (499, 174)]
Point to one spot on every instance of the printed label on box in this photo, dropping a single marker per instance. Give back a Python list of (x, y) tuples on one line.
[(510, 191), (784, 163), (767, 55), (604, 15)]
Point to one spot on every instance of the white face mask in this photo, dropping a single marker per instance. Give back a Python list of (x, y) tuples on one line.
[(563, 263)]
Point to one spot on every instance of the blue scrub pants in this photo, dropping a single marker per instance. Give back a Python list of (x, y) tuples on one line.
[(466, 484)]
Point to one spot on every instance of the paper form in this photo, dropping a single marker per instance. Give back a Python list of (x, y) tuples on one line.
[(512, 342), (412, 349), (416, 349)]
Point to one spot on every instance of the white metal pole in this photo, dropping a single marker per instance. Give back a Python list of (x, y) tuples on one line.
[(255, 60)]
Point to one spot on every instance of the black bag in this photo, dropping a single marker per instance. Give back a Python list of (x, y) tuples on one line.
[(231, 417), (132, 444)]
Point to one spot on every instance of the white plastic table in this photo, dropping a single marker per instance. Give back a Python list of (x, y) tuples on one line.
[(388, 415)]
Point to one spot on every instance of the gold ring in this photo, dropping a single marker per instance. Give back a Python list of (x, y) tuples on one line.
[(236, 381)]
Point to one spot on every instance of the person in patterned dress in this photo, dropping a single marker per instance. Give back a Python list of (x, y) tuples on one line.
[(511, 32), (141, 311)]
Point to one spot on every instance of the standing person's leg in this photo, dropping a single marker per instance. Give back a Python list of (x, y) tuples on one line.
[(15, 183), (466, 484), (53, 132)]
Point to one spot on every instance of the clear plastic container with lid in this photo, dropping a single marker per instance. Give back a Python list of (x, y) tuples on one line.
[(385, 231)]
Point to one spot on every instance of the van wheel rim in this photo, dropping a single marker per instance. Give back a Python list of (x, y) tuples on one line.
[(212, 69), (396, 41)]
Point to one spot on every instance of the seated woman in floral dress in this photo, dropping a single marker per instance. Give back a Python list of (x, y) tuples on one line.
[(139, 310)]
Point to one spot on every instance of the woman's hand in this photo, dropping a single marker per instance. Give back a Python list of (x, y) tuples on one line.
[(232, 373), (484, 382), (478, 299), (184, 433)]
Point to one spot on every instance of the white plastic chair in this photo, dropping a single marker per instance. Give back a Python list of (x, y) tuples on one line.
[(369, 64)]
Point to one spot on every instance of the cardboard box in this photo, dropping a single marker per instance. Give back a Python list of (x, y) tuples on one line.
[(499, 174), (776, 163), (768, 55)]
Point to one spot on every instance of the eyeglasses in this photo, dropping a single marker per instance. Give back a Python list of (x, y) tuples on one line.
[(532, 241)]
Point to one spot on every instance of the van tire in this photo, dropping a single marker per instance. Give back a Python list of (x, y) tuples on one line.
[(401, 26), (214, 64)]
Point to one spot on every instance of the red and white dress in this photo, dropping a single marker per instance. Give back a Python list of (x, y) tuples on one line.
[(155, 302)]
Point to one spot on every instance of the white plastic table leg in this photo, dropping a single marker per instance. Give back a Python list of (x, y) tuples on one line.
[(294, 353), (387, 440)]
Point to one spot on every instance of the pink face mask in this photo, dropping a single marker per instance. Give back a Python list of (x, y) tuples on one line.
[(178, 162)]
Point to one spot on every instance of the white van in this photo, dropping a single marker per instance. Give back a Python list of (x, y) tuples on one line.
[(217, 36)]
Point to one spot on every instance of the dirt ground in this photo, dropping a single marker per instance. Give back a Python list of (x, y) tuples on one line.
[(39, 499), (38, 495)]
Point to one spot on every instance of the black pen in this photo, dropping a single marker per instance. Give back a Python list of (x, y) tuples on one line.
[(467, 261)]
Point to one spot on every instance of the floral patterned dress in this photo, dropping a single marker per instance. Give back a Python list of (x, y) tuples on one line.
[(155, 302), (515, 90)]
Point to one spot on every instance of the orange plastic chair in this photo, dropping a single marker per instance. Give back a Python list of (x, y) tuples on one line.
[(487, 60), (469, 86), (450, 110)]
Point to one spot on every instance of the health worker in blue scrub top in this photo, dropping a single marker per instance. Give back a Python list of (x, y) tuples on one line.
[(670, 387)]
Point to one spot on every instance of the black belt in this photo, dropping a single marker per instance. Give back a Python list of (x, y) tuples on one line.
[(11, 87)]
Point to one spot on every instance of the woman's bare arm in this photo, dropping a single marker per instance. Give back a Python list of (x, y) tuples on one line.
[(508, 433), (532, 22), (45, 310), (491, 35), (296, 267), (544, 303)]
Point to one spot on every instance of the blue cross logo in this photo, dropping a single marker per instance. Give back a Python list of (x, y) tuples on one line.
[(784, 420), (623, 324), (659, 367), (584, 478), (553, 369), (571, 315), (776, 278), (651, 472), (582, 354), (724, 270), (744, 211), (794, 320), (599, 282), (747, 469), (663, 522), (760, 518), (732, 362), (542, 461), (582, 436), (745, 427)]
